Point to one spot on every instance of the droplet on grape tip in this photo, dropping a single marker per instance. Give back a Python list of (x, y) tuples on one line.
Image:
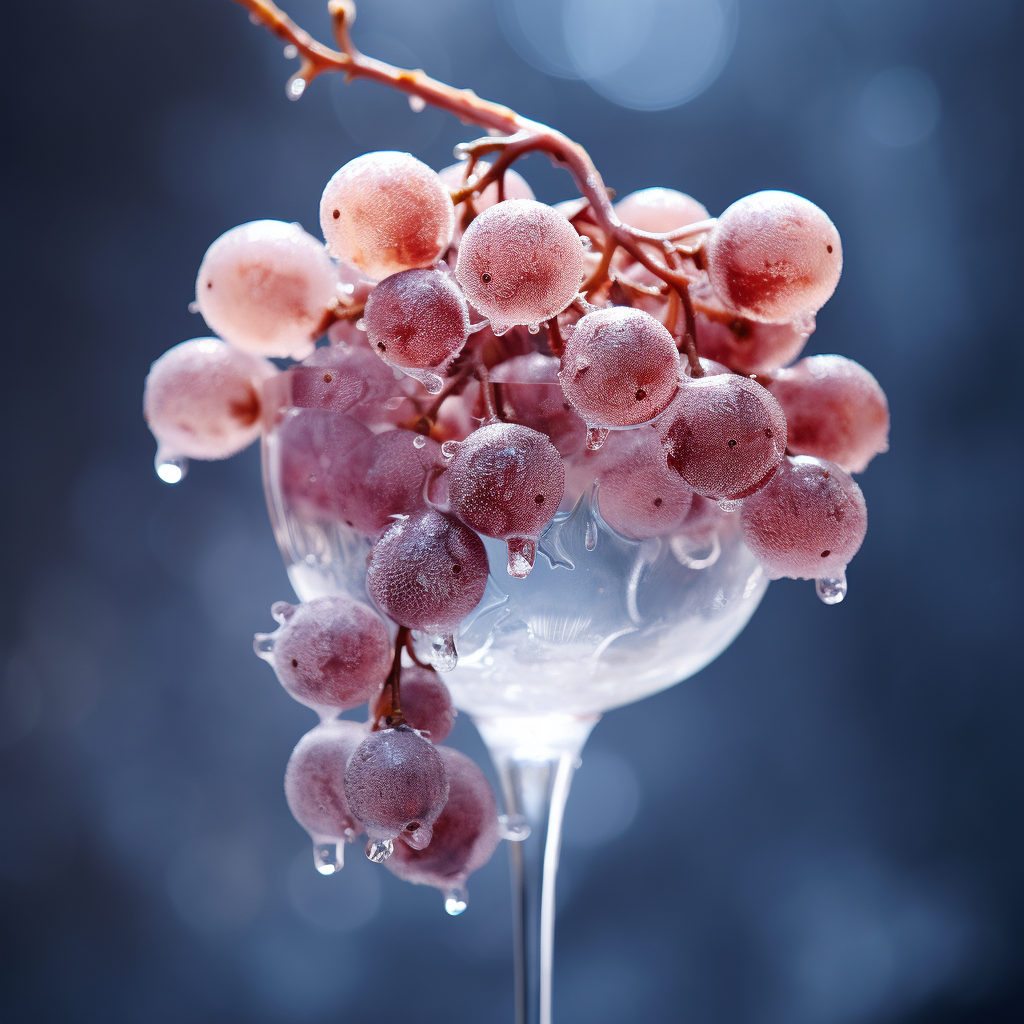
[(291, 51), (533, 328), (449, 448), (193, 307), (522, 553), (513, 827), (419, 441), (596, 437), (361, 325), (169, 468), (329, 858), (455, 901), (263, 645), (728, 505), (831, 589), (417, 104), (430, 380), (380, 850), (588, 245), (296, 87), (443, 655), (591, 538)]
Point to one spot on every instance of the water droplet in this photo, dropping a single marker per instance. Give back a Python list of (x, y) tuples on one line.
[(296, 87), (419, 838), (433, 382), (169, 468), (533, 328), (591, 538), (500, 330), (419, 441), (329, 858), (596, 437), (193, 307), (417, 104), (291, 51), (513, 827), (588, 245), (727, 505), (380, 850), (263, 645), (443, 655), (254, 19), (455, 901), (522, 552), (449, 448), (361, 325), (831, 589)]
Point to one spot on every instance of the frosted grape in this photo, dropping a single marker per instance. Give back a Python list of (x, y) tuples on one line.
[(807, 522), (397, 784), (202, 400), (834, 409), (331, 653), (426, 702), (427, 572), (516, 186), (529, 393), (506, 481), (385, 212), (267, 287), (659, 210), (520, 262), (418, 320), (774, 256), (620, 367), (314, 786), (639, 494), (724, 435), (465, 834)]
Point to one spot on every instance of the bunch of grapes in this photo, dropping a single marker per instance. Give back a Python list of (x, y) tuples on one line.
[(466, 362)]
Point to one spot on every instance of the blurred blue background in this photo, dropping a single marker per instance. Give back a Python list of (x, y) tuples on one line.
[(823, 826)]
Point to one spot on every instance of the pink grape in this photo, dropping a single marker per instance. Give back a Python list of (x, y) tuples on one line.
[(418, 320), (807, 522), (397, 784), (331, 653), (427, 572), (314, 782), (834, 409), (659, 210), (639, 495), (620, 367), (385, 212), (724, 435), (529, 393), (202, 399), (465, 834), (267, 288), (506, 481), (774, 256), (426, 702), (520, 262), (516, 186)]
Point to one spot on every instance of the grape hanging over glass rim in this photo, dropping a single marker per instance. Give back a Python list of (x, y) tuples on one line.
[(529, 462)]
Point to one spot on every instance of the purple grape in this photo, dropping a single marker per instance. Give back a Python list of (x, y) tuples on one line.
[(331, 653), (426, 702), (397, 785), (506, 481)]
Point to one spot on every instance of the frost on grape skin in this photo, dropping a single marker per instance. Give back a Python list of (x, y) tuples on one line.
[(386, 211), (835, 410), (520, 263), (202, 399), (267, 287), (620, 367), (724, 435), (314, 781), (397, 785), (465, 836), (427, 572), (331, 653), (774, 256), (426, 703), (807, 522)]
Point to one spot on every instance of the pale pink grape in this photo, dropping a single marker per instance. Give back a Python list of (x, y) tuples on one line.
[(202, 399), (834, 409), (267, 287), (385, 212), (331, 653), (520, 263), (774, 256), (658, 210)]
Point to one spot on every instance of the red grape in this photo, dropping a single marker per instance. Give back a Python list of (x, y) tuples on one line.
[(426, 702)]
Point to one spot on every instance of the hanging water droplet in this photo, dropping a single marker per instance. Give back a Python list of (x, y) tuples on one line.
[(456, 900), (591, 538), (730, 505), (443, 655), (533, 328), (449, 448), (291, 51), (417, 104), (432, 381), (831, 589), (296, 87), (361, 325), (379, 850), (263, 645), (329, 858), (522, 553), (513, 827), (596, 437), (500, 330), (169, 468), (419, 441), (193, 307)]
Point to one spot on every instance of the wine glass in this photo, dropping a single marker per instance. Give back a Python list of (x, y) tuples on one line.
[(602, 620)]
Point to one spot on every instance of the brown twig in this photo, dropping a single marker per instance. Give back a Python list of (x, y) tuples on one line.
[(388, 705)]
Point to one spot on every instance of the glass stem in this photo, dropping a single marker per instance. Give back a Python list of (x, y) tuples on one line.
[(535, 758)]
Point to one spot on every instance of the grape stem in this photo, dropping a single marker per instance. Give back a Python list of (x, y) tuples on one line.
[(513, 135), (388, 704)]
